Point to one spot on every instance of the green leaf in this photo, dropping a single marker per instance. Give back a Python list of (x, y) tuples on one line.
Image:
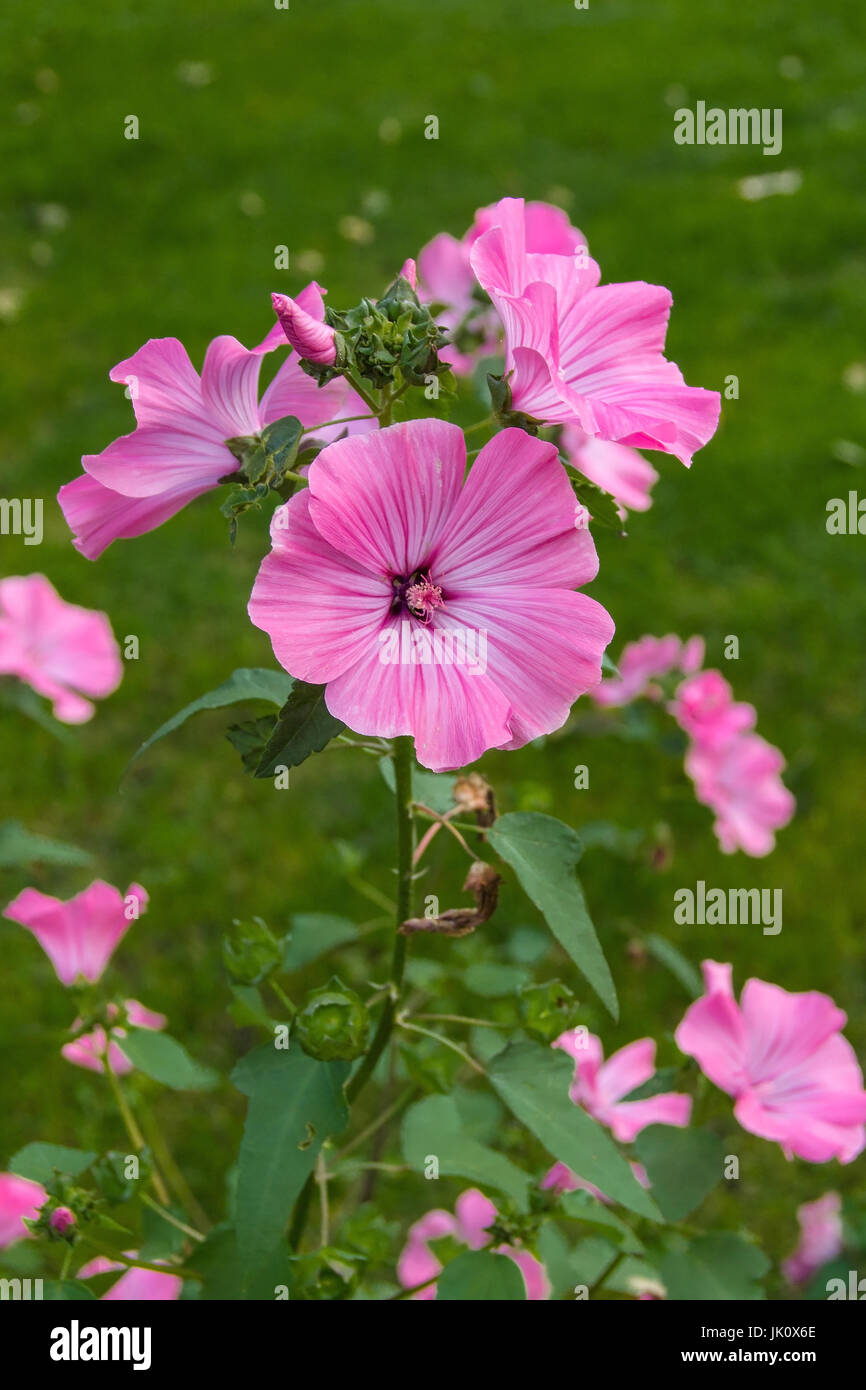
[(250, 739), (37, 1161), (246, 683), (19, 848), (543, 853), (683, 1165), (66, 1291), (478, 1275), (314, 933), (492, 980), (682, 969), (603, 508), (435, 1127), (304, 726), (164, 1059), (534, 1083), (714, 1267), (281, 441), (556, 1256), (433, 789), (596, 1217), (218, 1261), (295, 1103)]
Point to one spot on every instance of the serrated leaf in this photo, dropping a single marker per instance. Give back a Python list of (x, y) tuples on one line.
[(534, 1083), (543, 853), (304, 726), (434, 1126), (602, 507), (165, 1060), (246, 683)]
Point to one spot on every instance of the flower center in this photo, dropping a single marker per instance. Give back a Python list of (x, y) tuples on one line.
[(418, 594)]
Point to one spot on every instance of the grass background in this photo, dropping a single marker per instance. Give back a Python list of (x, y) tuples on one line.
[(275, 136)]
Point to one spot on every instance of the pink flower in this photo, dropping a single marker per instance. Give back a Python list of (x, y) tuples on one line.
[(78, 935), (782, 1057), (88, 1051), (18, 1198), (599, 1086), (560, 1178), (474, 1214), (64, 652), (740, 780), (621, 471), (585, 354), (642, 662), (61, 1220), (431, 607), (821, 1238), (448, 279), (136, 1285), (308, 334), (704, 706), (177, 450)]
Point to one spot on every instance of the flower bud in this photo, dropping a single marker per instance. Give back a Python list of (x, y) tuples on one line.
[(61, 1220), (333, 1024), (250, 951), (547, 1010), (310, 338)]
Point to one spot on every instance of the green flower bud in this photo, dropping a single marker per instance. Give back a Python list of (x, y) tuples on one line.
[(333, 1024), (250, 952), (547, 1010)]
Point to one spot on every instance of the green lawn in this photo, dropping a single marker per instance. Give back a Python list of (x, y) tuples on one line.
[(275, 136)]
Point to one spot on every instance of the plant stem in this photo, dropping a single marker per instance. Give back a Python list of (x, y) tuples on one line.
[(129, 1121), (171, 1218), (322, 1183), (327, 424), (398, 1105), (446, 1042), (402, 753), (607, 1271), (283, 998), (174, 1174)]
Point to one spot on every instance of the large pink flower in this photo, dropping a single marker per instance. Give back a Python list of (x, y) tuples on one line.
[(599, 1086), (64, 652), (18, 1198), (740, 780), (177, 450), (580, 353), (474, 1213), (447, 277), (641, 665), (821, 1238), (88, 1050), (136, 1285), (782, 1057), (430, 606), (78, 935), (621, 471)]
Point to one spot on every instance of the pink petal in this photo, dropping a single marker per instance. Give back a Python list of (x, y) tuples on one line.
[(18, 1198), (310, 338), (78, 936), (230, 386), (627, 1069), (514, 522), (96, 516), (154, 461), (383, 498), (165, 388), (713, 1032)]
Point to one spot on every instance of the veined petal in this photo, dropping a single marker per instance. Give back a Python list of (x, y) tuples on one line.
[(153, 461), (383, 498), (96, 516), (230, 386)]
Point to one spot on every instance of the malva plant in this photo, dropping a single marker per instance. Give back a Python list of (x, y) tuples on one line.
[(423, 595)]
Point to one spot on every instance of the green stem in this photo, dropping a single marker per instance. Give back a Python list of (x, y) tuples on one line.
[(480, 424), (327, 424), (402, 753), (129, 1121), (173, 1172), (607, 1271), (284, 999), (171, 1218)]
